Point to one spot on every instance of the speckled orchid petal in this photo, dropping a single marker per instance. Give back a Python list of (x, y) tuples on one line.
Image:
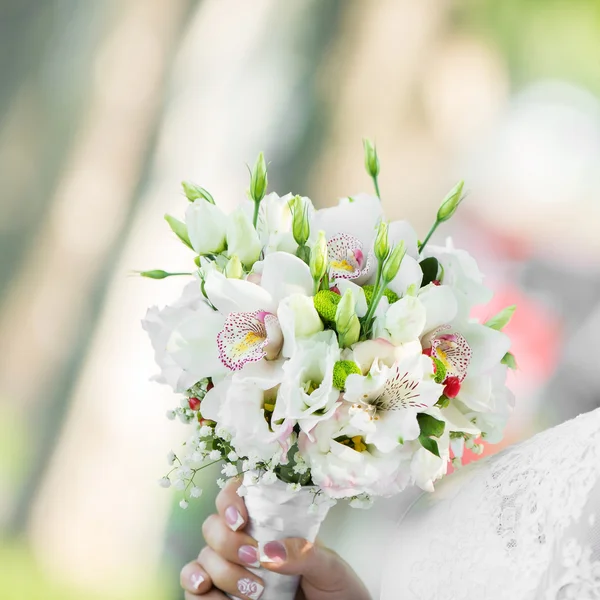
[(346, 257), (452, 349), (248, 337)]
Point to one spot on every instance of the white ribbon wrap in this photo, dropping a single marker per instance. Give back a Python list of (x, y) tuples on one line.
[(276, 513)]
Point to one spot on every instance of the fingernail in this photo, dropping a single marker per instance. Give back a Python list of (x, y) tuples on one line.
[(233, 518), (196, 580), (273, 552), (250, 588), (249, 555)]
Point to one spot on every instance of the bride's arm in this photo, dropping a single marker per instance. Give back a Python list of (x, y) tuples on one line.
[(325, 576)]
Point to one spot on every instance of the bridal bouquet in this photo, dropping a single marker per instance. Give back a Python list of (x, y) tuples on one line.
[(325, 354)]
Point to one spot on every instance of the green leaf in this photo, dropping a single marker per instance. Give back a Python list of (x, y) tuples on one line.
[(179, 229), (430, 268), (430, 426), (429, 444), (502, 319), (510, 361), (159, 274)]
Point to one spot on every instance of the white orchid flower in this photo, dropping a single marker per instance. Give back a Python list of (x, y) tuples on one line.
[(252, 330), (386, 401), (346, 258), (307, 395), (183, 337), (207, 227)]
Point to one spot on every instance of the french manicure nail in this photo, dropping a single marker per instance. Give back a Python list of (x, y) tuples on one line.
[(249, 555), (233, 518), (250, 588), (273, 552), (196, 580)]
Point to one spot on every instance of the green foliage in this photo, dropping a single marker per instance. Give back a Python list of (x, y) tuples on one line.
[(510, 361), (179, 229), (440, 370), (194, 192), (430, 267), (430, 427), (502, 319), (341, 370)]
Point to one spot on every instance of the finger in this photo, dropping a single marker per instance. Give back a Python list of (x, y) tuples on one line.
[(319, 567), (231, 506), (212, 595), (194, 579), (236, 547), (229, 577)]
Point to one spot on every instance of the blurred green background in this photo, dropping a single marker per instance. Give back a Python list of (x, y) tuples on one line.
[(106, 105)]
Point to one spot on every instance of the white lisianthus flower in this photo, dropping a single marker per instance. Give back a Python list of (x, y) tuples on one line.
[(242, 405), (307, 395), (460, 271), (426, 468), (387, 400), (242, 238), (182, 336), (405, 320), (344, 466), (207, 227), (298, 319)]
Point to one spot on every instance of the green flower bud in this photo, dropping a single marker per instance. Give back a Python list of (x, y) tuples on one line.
[(193, 192), (318, 258), (371, 158), (258, 179), (347, 324), (300, 224), (234, 269), (341, 370), (326, 303), (450, 202), (382, 246), (159, 274), (303, 253), (392, 264)]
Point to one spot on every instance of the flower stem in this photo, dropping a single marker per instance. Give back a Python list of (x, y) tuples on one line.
[(255, 218), (428, 236), (376, 184)]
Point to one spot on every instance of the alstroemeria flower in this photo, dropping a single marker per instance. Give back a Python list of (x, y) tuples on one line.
[(346, 257), (387, 400), (249, 337)]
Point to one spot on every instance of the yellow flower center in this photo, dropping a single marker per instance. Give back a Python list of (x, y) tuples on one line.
[(250, 340)]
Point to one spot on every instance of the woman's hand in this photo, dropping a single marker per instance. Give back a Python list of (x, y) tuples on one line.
[(222, 563)]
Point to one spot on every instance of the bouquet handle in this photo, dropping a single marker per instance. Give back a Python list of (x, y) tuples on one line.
[(275, 513)]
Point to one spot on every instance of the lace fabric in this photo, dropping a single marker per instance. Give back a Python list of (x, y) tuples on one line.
[(524, 525)]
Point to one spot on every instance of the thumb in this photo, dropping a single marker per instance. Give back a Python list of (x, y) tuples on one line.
[(320, 567)]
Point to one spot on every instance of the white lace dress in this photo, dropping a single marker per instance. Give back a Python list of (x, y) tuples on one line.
[(523, 525)]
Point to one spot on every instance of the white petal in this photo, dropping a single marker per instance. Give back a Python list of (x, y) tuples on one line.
[(214, 399), (488, 345), (476, 392), (236, 295), (410, 273), (206, 225), (405, 320), (284, 274), (402, 230), (441, 306)]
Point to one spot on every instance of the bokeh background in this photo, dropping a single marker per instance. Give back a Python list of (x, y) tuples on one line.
[(106, 105)]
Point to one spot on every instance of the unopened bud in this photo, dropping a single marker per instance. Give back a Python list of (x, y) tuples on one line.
[(258, 179), (318, 258), (450, 202), (193, 192), (346, 322), (300, 224), (392, 264), (234, 269), (382, 246), (371, 158)]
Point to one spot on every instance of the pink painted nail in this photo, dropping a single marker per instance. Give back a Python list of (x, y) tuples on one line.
[(196, 580), (250, 588), (273, 552), (249, 555), (233, 518)]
